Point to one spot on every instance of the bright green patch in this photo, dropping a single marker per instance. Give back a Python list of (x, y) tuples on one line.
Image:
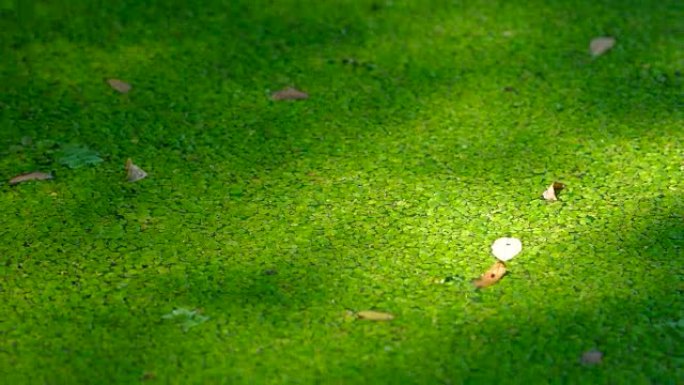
[(431, 130)]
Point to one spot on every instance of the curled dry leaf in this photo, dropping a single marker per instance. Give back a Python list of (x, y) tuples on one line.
[(36, 175), (373, 315), (551, 193), (601, 45), (289, 94), (135, 173), (491, 276), (592, 357), (119, 85)]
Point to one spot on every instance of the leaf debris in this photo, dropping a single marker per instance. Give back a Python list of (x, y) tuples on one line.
[(134, 173), (552, 192), (505, 248), (119, 85), (600, 45), (491, 276), (289, 93), (372, 315), (592, 357), (36, 175)]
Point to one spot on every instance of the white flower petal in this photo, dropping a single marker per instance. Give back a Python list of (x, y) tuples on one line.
[(505, 249)]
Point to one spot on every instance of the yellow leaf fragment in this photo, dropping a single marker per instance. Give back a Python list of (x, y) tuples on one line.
[(289, 94), (36, 175), (551, 193), (373, 315), (134, 173), (491, 276), (119, 85), (600, 45)]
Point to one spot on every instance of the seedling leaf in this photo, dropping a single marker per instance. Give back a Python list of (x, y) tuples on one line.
[(186, 318), (74, 156)]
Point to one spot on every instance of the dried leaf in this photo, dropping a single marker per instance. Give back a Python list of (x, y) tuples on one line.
[(36, 175), (551, 193), (135, 173), (146, 376), (601, 45), (592, 357), (289, 94), (491, 276), (119, 85), (373, 315)]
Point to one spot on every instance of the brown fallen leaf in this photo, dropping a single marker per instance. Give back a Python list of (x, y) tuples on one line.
[(289, 94), (592, 357), (135, 173), (119, 85), (146, 376), (491, 276), (551, 193), (373, 315), (600, 45), (36, 175)]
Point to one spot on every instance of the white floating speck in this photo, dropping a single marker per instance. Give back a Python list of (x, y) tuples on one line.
[(505, 249)]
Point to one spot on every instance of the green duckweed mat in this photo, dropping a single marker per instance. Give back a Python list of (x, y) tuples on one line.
[(431, 129)]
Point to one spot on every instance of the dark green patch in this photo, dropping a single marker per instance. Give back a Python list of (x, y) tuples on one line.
[(76, 156)]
